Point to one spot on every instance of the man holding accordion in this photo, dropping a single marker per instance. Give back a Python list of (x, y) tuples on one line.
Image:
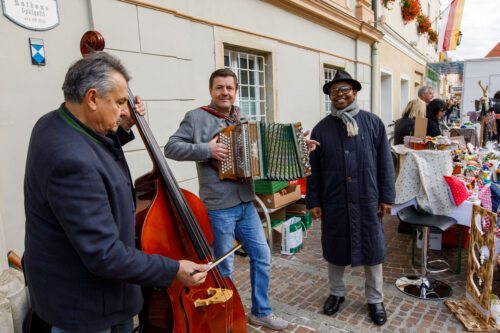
[(229, 203)]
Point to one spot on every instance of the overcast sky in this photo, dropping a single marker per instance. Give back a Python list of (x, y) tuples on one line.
[(480, 28)]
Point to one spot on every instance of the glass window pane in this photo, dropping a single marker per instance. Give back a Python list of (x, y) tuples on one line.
[(226, 61), (244, 107), (262, 93), (253, 108), (260, 63), (244, 93), (252, 92), (261, 78), (251, 63), (252, 78), (243, 63), (244, 77)]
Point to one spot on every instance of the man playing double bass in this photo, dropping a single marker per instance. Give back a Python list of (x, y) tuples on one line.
[(82, 269)]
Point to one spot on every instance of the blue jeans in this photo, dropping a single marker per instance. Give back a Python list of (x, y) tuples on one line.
[(243, 223), (126, 326)]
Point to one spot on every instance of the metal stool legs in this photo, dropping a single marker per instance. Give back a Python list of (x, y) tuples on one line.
[(420, 286)]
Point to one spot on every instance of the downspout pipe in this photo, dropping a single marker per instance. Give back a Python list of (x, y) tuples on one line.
[(375, 77)]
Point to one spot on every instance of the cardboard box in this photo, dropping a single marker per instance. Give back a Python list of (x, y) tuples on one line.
[(281, 198), (277, 232), (435, 239), (420, 127), (295, 208), (278, 217)]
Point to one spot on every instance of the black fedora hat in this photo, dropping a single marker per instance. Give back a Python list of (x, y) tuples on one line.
[(341, 76)]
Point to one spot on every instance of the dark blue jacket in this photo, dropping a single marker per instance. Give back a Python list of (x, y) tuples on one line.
[(350, 177), (82, 268)]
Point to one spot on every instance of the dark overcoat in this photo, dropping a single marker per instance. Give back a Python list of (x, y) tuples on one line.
[(82, 268), (350, 177)]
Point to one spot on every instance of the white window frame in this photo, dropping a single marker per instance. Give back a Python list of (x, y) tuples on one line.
[(328, 74), (251, 98)]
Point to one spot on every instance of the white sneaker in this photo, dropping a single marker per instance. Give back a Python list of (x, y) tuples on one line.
[(272, 321)]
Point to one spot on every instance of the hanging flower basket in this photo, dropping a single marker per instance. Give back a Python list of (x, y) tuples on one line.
[(432, 36), (388, 3), (423, 24), (410, 9)]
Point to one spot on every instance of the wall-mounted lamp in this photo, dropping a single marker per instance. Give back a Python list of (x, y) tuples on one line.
[(459, 38)]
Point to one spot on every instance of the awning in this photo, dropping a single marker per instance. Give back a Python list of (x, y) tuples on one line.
[(451, 67)]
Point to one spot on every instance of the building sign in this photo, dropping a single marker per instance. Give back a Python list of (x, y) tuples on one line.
[(32, 14), (37, 51)]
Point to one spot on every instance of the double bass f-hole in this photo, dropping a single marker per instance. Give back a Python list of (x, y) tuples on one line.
[(174, 223)]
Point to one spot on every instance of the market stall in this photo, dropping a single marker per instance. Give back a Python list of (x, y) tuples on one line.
[(445, 177)]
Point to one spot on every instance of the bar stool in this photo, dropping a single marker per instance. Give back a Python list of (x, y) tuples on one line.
[(421, 286)]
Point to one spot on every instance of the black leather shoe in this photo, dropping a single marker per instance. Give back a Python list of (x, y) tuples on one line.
[(332, 304), (377, 312)]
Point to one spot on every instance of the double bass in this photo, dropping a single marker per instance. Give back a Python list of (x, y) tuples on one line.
[(174, 223)]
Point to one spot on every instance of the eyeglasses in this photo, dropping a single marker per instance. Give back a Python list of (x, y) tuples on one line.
[(343, 90)]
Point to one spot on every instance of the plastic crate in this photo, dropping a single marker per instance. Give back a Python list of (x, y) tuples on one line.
[(451, 236), (302, 182), (275, 223), (269, 186)]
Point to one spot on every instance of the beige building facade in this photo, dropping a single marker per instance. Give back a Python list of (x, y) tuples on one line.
[(403, 56), (283, 52)]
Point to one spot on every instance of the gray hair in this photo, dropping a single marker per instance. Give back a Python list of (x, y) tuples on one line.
[(93, 71), (423, 90)]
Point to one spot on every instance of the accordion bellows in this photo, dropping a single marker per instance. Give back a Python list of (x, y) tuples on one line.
[(259, 150)]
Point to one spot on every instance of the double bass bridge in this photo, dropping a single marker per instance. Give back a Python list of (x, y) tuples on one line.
[(215, 296)]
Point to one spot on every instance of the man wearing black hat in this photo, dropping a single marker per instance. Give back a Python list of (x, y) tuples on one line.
[(351, 186)]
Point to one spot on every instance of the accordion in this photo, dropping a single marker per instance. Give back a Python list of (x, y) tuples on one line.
[(260, 150)]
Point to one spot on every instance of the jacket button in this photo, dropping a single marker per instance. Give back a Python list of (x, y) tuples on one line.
[(346, 152)]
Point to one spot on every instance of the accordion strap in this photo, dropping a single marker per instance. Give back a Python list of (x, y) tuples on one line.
[(234, 111)]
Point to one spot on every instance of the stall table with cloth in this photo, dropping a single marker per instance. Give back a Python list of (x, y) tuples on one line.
[(421, 177), (420, 183)]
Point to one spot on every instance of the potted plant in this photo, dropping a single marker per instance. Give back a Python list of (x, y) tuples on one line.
[(432, 36), (423, 24), (410, 9), (388, 3)]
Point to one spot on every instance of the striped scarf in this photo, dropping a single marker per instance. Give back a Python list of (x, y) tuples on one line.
[(347, 115)]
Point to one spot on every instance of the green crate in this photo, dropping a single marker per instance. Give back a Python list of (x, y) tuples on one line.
[(269, 186), (305, 218), (275, 223)]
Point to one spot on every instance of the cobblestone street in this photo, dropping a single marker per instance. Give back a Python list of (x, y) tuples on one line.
[(299, 286)]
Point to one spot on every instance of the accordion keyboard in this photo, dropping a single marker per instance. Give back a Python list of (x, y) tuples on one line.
[(227, 166)]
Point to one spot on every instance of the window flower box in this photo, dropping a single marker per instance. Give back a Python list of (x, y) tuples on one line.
[(410, 9), (423, 24)]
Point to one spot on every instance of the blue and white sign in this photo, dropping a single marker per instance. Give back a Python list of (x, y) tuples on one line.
[(37, 51), (32, 14)]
